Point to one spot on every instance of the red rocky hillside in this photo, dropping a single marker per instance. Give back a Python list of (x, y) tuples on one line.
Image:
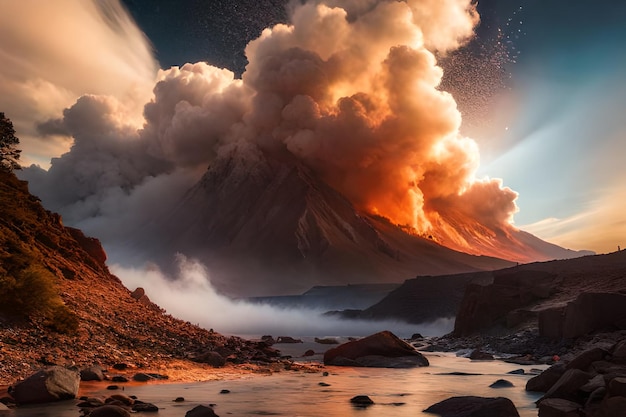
[(59, 304)]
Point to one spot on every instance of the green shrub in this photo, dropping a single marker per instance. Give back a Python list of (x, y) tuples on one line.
[(32, 290), (63, 320)]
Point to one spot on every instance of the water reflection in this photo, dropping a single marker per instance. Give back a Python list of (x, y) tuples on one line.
[(394, 391)]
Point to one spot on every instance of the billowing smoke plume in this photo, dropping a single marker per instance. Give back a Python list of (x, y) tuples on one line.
[(55, 51), (348, 88)]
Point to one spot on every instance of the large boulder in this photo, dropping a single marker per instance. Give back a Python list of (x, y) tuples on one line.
[(52, 384), (474, 407), (568, 386), (617, 387), (557, 407), (212, 358), (92, 373), (109, 411), (380, 350), (613, 407), (584, 360), (619, 352), (91, 245), (545, 380), (201, 411)]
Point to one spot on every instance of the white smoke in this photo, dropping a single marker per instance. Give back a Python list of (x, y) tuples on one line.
[(190, 296)]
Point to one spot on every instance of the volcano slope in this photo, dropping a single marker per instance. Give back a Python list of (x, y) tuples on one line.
[(269, 226)]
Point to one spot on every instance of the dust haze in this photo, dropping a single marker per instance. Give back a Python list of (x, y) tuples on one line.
[(190, 296)]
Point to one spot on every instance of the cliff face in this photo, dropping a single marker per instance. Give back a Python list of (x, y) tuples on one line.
[(55, 268), (541, 293), (424, 299)]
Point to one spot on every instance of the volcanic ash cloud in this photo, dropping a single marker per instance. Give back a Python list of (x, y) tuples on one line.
[(55, 51), (348, 88)]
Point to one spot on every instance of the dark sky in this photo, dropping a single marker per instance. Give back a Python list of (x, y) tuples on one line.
[(216, 31)]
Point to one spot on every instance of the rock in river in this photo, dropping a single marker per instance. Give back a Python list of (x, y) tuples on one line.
[(380, 350), (201, 411)]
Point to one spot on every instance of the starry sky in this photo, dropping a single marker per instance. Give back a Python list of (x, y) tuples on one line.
[(541, 88)]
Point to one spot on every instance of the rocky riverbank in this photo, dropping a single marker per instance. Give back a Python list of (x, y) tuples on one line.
[(526, 346), (587, 376)]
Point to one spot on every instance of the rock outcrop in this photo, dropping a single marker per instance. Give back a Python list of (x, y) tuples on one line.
[(91, 245), (555, 296), (483, 305), (422, 299), (590, 311), (506, 300), (380, 350), (92, 373)]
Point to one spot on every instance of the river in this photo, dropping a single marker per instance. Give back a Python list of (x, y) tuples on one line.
[(395, 392)]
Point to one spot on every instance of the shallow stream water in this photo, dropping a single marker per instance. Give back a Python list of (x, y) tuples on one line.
[(395, 392)]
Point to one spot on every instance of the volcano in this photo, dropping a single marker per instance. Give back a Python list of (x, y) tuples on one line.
[(266, 225)]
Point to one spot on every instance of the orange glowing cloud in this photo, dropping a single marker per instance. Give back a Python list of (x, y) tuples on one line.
[(360, 104)]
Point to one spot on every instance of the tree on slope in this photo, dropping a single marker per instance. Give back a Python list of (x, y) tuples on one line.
[(9, 154)]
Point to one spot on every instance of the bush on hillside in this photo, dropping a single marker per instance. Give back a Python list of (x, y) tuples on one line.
[(62, 320), (9, 153), (30, 290), (33, 291)]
